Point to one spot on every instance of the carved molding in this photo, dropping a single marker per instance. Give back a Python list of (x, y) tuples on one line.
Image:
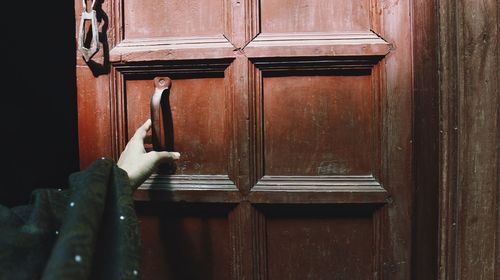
[(176, 67), (273, 66), (333, 189), (317, 44), (189, 182), (188, 188), (151, 49), (248, 238)]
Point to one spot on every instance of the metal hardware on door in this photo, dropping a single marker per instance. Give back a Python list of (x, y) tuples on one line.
[(162, 85), (94, 44)]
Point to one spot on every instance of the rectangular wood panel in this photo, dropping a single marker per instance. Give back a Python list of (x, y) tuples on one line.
[(185, 242), (175, 18), (317, 125), (279, 16), (328, 242), (197, 124)]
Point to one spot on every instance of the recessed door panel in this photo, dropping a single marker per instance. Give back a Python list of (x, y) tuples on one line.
[(319, 242), (177, 18), (314, 16), (187, 242), (318, 125), (195, 122)]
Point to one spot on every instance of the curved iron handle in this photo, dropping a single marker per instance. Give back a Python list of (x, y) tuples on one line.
[(162, 85), (94, 44)]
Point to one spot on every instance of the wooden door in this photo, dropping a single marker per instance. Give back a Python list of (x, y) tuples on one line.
[(294, 123)]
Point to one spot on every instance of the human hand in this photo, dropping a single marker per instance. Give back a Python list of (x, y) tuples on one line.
[(138, 164)]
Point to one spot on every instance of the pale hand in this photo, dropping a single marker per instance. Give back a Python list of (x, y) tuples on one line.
[(138, 163)]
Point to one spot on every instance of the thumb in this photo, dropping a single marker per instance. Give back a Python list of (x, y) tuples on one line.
[(163, 156)]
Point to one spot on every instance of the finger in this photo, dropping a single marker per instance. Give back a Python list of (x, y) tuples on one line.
[(143, 129), (147, 125), (163, 156)]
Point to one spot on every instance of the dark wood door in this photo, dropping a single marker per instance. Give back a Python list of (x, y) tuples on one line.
[(294, 122)]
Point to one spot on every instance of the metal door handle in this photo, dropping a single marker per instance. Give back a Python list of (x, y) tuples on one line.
[(94, 44), (162, 85)]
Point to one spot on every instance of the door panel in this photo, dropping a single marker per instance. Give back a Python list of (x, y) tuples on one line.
[(178, 18), (293, 115), (194, 125), (319, 242), (185, 242), (303, 116), (314, 16)]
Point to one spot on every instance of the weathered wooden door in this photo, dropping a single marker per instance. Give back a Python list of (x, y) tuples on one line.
[(293, 119)]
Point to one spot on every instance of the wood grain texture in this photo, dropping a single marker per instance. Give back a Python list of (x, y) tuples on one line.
[(157, 18), (469, 56), (248, 237), (188, 188), (174, 68), (349, 74), (319, 242), (317, 44), (196, 126), (313, 16), (302, 118), (426, 139), (123, 72), (396, 172), (177, 48), (318, 190), (178, 238), (241, 141), (448, 107), (317, 66), (95, 139), (170, 30), (242, 21)]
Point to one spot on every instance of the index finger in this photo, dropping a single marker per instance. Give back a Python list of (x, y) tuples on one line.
[(143, 129)]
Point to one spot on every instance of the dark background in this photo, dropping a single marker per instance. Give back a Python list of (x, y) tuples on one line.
[(38, 112)]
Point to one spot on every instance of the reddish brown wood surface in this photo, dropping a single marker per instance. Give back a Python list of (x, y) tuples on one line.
[(94, 117), (298, 115), (470, 132), (193, 236), (314, 16), (302, 120), (196, 125), (396, 140), (305, 242), (176, 18), (426, 140), (317, 44)]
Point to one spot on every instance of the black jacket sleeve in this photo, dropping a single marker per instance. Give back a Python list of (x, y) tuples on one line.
[(88, 231)]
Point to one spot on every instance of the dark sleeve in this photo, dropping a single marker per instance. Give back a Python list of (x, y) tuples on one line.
[(89, 231)]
